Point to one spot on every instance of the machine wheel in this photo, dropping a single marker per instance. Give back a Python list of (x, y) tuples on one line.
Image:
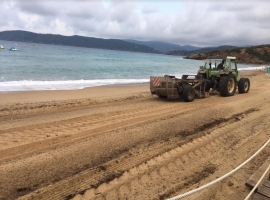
[(227, 85), (208, 86), (162, 97), (243, 85), (188, 94)]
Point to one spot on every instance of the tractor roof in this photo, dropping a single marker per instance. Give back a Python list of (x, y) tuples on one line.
[(221, 57)]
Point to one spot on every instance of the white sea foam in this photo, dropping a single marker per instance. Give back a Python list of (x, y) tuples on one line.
[(253, 68), (27, 85)]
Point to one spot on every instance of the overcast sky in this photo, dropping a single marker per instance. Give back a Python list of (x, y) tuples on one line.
[(195, 22)]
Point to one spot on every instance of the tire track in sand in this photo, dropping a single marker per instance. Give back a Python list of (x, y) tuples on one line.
[(124, 121), (119, 178), (52, 133)]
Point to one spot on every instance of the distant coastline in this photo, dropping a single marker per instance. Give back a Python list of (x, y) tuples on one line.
[(259, 55), (78, 41), (246, 55)]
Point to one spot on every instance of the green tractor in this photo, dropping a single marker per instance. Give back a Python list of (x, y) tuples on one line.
[(222, 75)]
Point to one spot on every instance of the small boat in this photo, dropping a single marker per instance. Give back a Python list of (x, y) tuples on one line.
[(13, 49), (1, 47)]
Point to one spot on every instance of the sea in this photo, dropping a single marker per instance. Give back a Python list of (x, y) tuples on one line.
[(37, 66)]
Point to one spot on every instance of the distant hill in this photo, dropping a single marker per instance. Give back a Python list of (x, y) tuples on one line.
[(251, 55), (201, 50), (79, 41), (163, 47)]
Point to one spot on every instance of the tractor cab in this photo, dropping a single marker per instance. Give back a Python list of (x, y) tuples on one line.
[(213, 62), (211, 67)]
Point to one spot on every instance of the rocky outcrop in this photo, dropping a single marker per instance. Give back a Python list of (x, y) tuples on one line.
[(250, 55), (199, 56)]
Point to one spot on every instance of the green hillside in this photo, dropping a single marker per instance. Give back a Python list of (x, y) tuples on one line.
[(79, 41)]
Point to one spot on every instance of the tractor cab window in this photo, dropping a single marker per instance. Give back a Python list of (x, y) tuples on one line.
[(228, 64), (207, 64), (210, 64), (231, 64)]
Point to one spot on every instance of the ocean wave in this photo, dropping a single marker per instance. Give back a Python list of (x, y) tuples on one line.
[(27, 85), (253, 68)]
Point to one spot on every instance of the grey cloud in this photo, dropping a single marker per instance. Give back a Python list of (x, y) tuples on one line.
[(122, 12), (197, 22), (149, 9), (87, 10), (43, 7)]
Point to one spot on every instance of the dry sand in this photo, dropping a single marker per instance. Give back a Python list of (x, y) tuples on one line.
[(119, 142)]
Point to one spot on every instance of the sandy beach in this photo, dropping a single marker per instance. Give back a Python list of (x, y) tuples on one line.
[(120, 142), (99, 93)]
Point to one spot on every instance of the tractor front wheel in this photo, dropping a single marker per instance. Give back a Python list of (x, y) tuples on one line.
[(227, 85), (243, 85)]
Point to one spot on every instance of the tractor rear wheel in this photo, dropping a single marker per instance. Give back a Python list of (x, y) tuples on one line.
[(188, 94), (227, 85), (243, 85)]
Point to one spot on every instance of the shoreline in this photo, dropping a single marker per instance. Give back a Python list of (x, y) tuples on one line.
[(109, 85), (59, 85), (95, 93)]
